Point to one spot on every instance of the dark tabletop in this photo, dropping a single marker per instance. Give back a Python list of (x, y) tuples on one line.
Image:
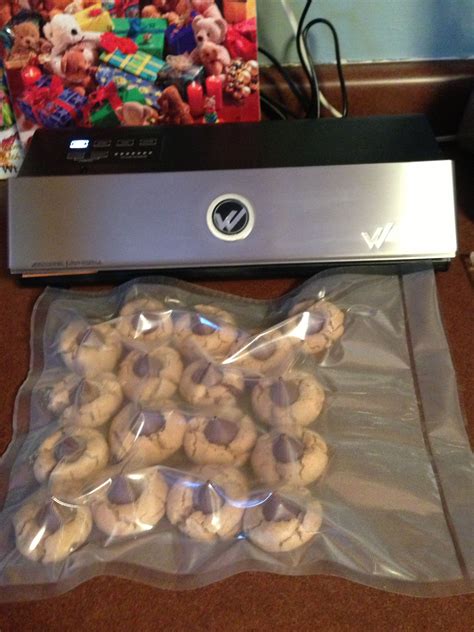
[(249, 601)]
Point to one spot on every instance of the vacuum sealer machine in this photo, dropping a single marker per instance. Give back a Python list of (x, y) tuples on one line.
[(245, 198)]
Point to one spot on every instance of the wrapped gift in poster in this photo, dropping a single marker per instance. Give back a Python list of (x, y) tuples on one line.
[(50, 104), (147, 33), (180, 71), (107, 74), (94, 18), (139, 64), (102, 106), (180, 38), (241, 40), (122, 8)]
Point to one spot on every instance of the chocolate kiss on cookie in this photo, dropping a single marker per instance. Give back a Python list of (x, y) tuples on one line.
[(148, 422), (89, 338), (287, 449), (279, 509), (49, 517), (85, 393), (145, 322), (208, 498), (121, 492), (201, 327), (263, 352), (207, 375), (220, 431), (284, 393), (69, 449), (316, 323), (147, 366)]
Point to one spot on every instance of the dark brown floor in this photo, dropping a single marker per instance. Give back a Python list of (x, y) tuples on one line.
[(249, 601)]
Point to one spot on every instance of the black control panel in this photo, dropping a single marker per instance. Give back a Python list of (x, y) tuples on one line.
[(84, 149), (75, 151)]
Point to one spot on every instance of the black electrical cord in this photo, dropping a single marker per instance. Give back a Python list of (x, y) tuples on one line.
[(272, 107), (314, 108), (311, 105), (270, 110), (294, 87), (342, 83)]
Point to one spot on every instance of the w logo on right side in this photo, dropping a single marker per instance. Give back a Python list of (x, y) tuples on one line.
[(378, 238)]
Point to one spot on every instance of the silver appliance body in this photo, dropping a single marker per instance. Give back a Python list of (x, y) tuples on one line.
[(403, 211)]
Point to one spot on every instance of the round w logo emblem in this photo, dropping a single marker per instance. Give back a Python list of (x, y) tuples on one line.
[(230, 217)]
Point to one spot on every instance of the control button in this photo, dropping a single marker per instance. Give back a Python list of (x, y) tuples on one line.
[(125, 142), (76, 155), (102, 142), (230, 217), (99, 155), (148, 142)]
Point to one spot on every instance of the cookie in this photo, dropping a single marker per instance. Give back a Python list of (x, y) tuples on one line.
[(70, 455), (90, 349), (57, 397), (47, 531), (90, 402), (131, 504), (225, 439), (321, 321), (268, 353), (146, 436), (208, 504), (208, 332), (151, 377), (284, 520), (292, 459), (146, 321), (207, 384), (296, 398)]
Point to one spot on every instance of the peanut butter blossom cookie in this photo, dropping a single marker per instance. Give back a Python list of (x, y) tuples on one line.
[(48, 531), (208, 503), (87, 402), (294, 459), (207, 332), (296, 398), (144, 435), (208, 384), (145, 321), (132, 503), (284, 520), (317, 323), (226, 438), (70, 455), (150, 378), (90, 349), (268, 353)]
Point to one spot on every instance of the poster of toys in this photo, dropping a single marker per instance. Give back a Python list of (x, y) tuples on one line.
[(11, 151), (106, 63)]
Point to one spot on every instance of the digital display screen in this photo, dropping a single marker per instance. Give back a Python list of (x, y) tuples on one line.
[(80, 143)]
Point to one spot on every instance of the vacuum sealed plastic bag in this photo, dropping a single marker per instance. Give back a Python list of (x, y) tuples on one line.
[(176, 435)]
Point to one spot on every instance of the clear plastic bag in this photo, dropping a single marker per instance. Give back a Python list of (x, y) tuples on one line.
[(176, 435)]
